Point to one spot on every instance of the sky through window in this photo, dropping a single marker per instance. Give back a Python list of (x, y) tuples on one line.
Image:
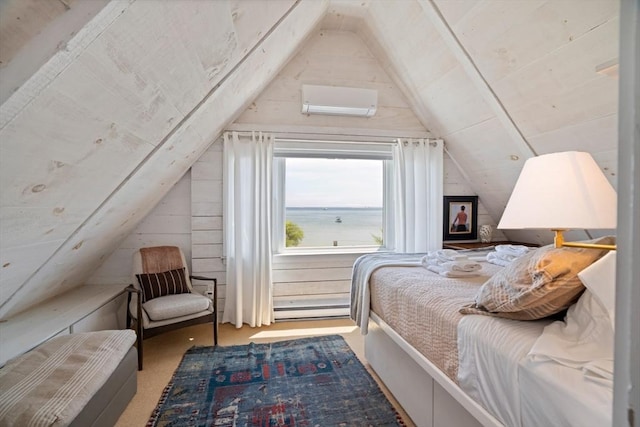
[(334, 183)]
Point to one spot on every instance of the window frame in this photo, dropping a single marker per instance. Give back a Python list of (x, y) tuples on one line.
[(284, 149)]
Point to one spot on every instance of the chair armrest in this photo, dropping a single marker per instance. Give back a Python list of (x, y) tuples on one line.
[(213, 279), (132, 288), (215, 290)]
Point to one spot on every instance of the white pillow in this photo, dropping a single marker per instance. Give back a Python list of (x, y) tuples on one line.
[(600, 279), (584, 340)]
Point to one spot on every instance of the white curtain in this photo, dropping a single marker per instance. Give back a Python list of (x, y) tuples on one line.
[(248, 160), (418, 194)]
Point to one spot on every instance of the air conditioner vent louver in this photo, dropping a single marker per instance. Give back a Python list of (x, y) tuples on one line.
[(333, 100)]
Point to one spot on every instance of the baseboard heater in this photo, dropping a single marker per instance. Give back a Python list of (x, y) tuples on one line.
[(311, 312)]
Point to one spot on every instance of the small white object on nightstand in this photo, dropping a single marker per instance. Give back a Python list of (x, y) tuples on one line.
[(485, 232)]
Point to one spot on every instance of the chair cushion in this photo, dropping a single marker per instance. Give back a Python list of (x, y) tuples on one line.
[(172, 306), (156, 285)]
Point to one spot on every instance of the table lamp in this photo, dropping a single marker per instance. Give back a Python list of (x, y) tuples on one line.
[(561, 191)]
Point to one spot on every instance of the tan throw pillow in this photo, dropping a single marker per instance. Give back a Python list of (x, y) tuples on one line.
[(170, 282), (541, 283)]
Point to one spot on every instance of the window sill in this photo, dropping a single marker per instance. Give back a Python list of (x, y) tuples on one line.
[(330, 251)]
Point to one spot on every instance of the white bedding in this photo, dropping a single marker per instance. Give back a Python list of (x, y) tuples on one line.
[(494, 363), (495, 372), (490, 350), (552, 391)]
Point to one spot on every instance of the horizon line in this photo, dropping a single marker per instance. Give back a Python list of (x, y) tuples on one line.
[(333, 207)]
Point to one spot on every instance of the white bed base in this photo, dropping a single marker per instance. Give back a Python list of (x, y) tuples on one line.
[(427, 395)]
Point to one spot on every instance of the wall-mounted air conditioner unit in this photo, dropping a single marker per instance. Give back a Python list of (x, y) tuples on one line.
[(348, 101)]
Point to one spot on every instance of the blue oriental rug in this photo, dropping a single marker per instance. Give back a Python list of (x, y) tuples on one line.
[(305, 382)]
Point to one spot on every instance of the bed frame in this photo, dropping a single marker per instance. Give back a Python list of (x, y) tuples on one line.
[(428, 395)]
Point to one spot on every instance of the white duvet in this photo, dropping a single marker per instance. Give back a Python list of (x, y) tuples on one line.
[(495, 371), (557, 395), (490, 350)]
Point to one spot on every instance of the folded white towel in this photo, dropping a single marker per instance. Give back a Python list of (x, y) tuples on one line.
[(466, 266), (493, 258), (427, 261), (505, 256), (516, 250), (443, 255), (447, 273)]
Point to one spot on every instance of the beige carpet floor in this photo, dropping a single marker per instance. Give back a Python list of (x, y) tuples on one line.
[(163, 353)]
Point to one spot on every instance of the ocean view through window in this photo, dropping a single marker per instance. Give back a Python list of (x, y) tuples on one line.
[(334, 202), (339, 226)]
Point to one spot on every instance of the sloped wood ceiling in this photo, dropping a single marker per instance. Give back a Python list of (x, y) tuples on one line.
[(97, 137), (501, 81), (99, 133)]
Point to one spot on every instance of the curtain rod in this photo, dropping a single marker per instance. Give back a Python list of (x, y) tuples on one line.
[(322, 133), (335, 141), (313, 137), (432, 141), (352, 139)]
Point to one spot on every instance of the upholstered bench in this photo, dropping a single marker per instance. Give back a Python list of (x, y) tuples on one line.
[(84, 379)]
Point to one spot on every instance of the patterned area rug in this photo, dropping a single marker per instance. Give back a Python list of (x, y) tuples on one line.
[(305, 382)]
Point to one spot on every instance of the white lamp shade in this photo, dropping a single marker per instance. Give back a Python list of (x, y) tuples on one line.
[(561, 191)]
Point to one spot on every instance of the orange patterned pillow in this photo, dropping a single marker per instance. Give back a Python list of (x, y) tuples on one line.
[(541, 283)]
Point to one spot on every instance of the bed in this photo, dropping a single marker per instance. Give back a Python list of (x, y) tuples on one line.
[(83, 379), (447, 368)]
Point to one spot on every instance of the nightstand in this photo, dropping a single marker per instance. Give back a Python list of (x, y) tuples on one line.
[(480, 245)]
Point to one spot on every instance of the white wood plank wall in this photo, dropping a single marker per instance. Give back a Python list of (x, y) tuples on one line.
[(455, 184), (206, 220), (307, 286), (190, 216), (300, 281), (169, 223), (303, 285)]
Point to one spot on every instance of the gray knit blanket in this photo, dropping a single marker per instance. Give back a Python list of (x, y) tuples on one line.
[(363, 267)]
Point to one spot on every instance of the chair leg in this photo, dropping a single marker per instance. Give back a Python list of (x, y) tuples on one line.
[(215, 329), (128, 312), (139, 328), (139, 332), (215, 312)]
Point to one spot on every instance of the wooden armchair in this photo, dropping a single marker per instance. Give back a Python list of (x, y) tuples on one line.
[(163, 298)]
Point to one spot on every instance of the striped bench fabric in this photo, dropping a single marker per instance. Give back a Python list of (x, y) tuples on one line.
[(50, 384)]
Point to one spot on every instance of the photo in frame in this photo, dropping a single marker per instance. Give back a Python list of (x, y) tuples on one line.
[(460, 218)]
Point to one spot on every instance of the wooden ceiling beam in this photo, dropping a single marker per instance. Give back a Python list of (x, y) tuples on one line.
[(475, 75), (145, 186)]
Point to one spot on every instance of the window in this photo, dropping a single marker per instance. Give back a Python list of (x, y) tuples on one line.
[(331, 196)]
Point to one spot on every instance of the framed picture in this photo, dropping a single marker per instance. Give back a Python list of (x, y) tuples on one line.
[(460, 218)]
